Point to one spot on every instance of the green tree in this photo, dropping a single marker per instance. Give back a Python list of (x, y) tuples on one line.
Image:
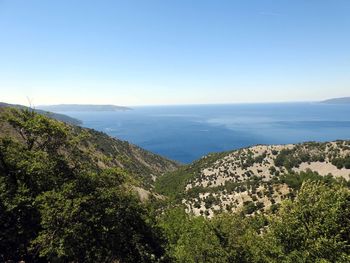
[(191, 239), (38, 131), (315, 227), (199, 243), (95, 219), (55, 206), (238, 235)]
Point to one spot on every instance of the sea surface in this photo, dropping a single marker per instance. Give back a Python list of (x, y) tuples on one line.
[(185, 133)]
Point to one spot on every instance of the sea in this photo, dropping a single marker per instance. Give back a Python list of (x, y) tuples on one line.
[(186, 133)]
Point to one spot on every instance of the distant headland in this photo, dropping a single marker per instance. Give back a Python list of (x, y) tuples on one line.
[(344, 100), (82, 107)]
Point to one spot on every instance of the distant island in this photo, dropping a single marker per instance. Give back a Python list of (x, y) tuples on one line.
[(344, 100), (82, 107), (57, 116)]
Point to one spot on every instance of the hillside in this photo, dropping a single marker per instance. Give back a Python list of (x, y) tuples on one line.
[(56, 116), (82, 107), (106, 152), (345, 100), (255, 178), (67, 194)]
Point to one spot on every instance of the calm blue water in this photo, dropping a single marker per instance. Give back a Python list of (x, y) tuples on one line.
[(185, 133)]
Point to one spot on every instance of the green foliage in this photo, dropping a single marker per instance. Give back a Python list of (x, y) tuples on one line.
[(191, 239), (342, 162), (172, 222), (295, 180), (92, 147), (92, 220), (301, 153), (313, 228), (143, 165), (54, 206), (37, 130), (249, 207), (238, 235), (173, 184), (287, 159), (199, 243), (52, 115)]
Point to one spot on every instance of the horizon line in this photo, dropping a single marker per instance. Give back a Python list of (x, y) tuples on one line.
[(178, 104)]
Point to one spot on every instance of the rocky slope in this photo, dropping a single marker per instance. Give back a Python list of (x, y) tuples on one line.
[(256, 178)]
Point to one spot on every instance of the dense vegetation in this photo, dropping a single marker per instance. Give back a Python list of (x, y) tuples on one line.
[(102, 151), (57, 205), (315, 227)]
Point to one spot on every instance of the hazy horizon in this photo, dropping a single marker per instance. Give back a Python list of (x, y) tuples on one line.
[(142, 53), (165, 105)]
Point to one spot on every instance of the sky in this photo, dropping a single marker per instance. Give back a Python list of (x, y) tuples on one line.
[(160, 52)]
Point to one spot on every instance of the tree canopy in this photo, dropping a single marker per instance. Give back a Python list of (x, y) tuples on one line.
[(53, 206)]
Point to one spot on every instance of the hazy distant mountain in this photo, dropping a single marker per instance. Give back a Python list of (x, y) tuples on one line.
[(345, 100), (57, 116), (82, 107)]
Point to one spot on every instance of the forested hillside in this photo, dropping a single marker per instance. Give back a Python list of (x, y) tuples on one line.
[(67, 194), (104, 151)]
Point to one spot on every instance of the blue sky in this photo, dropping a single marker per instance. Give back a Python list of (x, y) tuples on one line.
[(173, 51)]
